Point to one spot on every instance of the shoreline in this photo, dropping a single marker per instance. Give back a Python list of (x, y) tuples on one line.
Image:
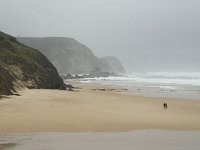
[(156, 90), (88, 110)]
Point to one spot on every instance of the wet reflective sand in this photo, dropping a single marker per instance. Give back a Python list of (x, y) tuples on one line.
[(6, 146), (140, 140)]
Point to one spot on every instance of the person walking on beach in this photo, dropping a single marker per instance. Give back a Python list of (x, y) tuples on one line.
[(165, 106)]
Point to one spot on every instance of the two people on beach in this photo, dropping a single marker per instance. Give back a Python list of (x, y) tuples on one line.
[(165, 106)]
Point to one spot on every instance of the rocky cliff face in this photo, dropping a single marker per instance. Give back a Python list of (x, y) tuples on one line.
[(114, 63), (68, 55), (6, 82), (22, 66)]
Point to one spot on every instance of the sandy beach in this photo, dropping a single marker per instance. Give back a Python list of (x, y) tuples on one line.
[(90, 109)]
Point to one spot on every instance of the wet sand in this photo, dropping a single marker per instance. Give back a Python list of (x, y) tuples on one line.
[(90, 109), (140, 140)]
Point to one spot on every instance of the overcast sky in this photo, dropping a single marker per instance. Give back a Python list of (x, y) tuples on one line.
[(146, 35)]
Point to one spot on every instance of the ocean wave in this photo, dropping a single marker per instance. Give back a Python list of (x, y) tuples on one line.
[(167, 75), (172, 78)]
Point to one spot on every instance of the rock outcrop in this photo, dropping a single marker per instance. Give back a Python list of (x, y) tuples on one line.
[(22, 66), (6, 82), (69, 55)]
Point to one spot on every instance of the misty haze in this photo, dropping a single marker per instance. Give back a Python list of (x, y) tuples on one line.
[(146, 35), (99, 74)]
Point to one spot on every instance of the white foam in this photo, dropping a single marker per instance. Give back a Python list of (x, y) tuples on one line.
[(156, 84), (174, 78)]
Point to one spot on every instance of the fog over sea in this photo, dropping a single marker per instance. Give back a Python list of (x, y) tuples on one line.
[(156, 84)]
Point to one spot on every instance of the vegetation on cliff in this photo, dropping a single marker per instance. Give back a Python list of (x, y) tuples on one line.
[(22, 66)]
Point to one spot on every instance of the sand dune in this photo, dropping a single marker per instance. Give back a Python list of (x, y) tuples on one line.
[(94, 110)]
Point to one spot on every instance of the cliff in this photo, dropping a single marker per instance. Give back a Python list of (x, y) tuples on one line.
[(22, 66), (114, 63), (68, 55)]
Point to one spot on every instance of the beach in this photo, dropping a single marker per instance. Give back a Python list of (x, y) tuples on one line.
[(91, 108)]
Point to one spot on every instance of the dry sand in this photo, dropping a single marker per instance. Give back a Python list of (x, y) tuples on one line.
[(94, 110)]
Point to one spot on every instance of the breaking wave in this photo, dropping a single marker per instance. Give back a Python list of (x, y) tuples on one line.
[(174, 78)]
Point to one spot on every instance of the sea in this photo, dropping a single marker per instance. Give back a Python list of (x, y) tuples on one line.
[(155, 84)]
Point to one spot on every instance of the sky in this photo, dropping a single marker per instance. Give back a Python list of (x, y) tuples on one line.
[(146, 35)]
